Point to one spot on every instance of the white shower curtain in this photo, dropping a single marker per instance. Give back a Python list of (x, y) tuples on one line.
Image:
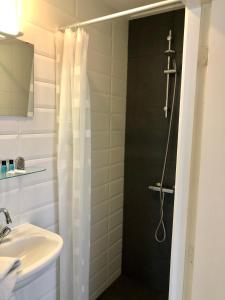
[(73, 162)]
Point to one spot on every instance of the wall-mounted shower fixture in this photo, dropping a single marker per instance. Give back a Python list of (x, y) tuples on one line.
[(160, 233), (170, 58)]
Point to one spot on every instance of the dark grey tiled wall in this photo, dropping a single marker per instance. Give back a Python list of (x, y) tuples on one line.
[(146, 133)]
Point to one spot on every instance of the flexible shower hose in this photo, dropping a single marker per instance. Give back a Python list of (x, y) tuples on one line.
[(161, 224)]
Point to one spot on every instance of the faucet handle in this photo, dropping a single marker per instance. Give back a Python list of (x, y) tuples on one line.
[(4, 231), (8, 219)]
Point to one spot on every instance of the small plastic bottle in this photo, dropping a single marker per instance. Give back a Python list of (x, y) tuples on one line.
[(11, 165), (4, 167)]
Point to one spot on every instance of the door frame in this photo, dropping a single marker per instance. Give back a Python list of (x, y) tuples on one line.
[(180, 242)]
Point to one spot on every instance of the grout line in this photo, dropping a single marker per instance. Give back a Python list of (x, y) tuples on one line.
[(44, 56), (43, 82)]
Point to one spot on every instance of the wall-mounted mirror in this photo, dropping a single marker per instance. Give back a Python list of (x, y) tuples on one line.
[(16, 78)]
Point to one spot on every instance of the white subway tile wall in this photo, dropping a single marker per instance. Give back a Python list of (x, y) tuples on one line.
[(107, 66), (33, 198)]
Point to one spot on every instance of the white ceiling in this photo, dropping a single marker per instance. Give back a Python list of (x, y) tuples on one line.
[(127, 4)]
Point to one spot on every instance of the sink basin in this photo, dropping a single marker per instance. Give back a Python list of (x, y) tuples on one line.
[(37, 249)]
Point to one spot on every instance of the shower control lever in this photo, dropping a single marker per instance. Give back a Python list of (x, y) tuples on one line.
[(157, 188)]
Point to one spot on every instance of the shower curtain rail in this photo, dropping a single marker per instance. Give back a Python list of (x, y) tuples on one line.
[(134, 11)]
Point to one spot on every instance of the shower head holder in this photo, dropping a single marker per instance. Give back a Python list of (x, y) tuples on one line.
[(170, 52)]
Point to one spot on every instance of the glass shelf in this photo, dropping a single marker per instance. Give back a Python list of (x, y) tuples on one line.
[(29, 170)]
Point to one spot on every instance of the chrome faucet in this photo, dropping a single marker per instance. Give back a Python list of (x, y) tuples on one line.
[(5, 230)]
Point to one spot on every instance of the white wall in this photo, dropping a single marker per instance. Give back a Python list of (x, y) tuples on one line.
[(107, 68), (208, 238), (107, 73), (68, 6)]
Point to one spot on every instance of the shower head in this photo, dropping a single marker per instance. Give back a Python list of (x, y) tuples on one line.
[(169, 52), (169, 37)]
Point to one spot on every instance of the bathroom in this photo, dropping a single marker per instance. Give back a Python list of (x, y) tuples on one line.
[(129, 111)]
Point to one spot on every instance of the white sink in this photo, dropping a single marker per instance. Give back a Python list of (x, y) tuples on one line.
[(37, 249)]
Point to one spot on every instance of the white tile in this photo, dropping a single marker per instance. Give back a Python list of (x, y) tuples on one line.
[(113, 277), (43, 217), (12, 201), (99, 247), (9, 125), (44, 121), (99, 62), (43, 40), (116, 203), (104, 27), (116, 171), (115, 250), (119, 105), (115, 264), (116, 187), (9, 185), (100, 279), (39, 195), (116, 219), (99, 158), (115, 235), (37, 145), (119, 68), (44, 95), (48, 175), (100, 102), (99, 229), (99, 212), (120, 30), (119, 49), (100, 121), (99, 176), (9, 146), (100, 41), (117, 138), (99, 194), (44, 69), (100, 140), (98, 264), (118, 122), (117, 155), (99, 83), (119, 87), (54, 228), (120, 40)]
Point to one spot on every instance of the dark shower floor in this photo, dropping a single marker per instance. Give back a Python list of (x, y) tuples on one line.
[(126, 288)]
